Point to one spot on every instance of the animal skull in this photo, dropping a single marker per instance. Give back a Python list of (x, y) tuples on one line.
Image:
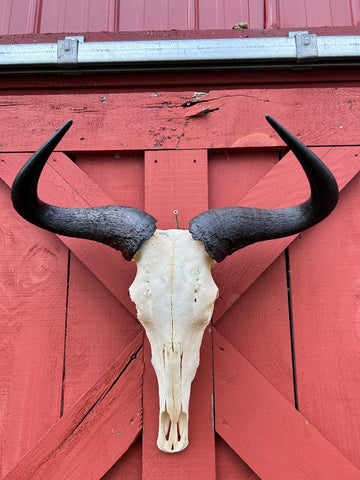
[(173, 289), (174, 295)]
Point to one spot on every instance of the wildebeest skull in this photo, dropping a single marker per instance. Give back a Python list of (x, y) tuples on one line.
[(173, 290)]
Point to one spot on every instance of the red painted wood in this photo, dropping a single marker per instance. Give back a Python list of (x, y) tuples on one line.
[(129, 466), (163, 121), (257, 325), (33, 281), (119, 174), (229, 465), (232, 173), (100, 426), (325, 297), (173, 180), (98, 325), (284, 185), (274, 439), (176, 180), (78, 190)]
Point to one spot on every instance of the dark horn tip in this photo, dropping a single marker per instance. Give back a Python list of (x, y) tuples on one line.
[(271, 120), (22, 199), (225, 230)]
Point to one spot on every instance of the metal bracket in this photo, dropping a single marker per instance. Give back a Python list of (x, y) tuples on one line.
[(306, 46), (67, 50)]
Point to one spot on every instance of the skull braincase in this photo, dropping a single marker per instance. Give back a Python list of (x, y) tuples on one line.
[(174, 295)]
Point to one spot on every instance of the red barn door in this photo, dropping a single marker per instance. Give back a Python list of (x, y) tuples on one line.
[(277, 391)]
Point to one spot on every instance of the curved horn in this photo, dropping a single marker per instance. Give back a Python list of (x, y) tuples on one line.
[(225, 230), (123, 228)]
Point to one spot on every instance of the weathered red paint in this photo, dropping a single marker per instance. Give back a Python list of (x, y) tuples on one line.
[(113, 401), (263, 427), (252, 287)]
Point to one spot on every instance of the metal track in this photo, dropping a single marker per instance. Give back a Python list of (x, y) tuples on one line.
[(298, 50)]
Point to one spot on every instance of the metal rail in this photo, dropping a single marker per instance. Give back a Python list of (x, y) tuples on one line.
[(298, 50)]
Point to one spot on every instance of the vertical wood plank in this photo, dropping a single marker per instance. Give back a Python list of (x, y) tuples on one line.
[(233, 173), (96, 431), (273, 438), (325, 290), (176, 180), (98, 329), (98, 326), (257, 325), (33, 281), (179, 180)]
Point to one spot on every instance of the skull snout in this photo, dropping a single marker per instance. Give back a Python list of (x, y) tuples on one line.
[(173, 435), (173, 418)]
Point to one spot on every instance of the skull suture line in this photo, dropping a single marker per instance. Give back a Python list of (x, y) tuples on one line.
[(173, 289)]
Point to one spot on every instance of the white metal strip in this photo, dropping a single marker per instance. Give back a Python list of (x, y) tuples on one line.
[(270, 52)]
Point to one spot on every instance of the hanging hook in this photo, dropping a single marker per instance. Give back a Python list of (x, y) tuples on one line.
[(176, 218)]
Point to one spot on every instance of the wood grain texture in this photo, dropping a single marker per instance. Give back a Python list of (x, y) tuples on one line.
[(273, 438), (178, 180), (33, 279), (98, 329), (64, 184), (129, 466), (325, 285), (98, 325), (229, 466), (181, 120), (100, 426), (257, 325), (284, 185), (232, 173)]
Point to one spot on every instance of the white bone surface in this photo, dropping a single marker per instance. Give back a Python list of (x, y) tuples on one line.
[(174, 294)]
